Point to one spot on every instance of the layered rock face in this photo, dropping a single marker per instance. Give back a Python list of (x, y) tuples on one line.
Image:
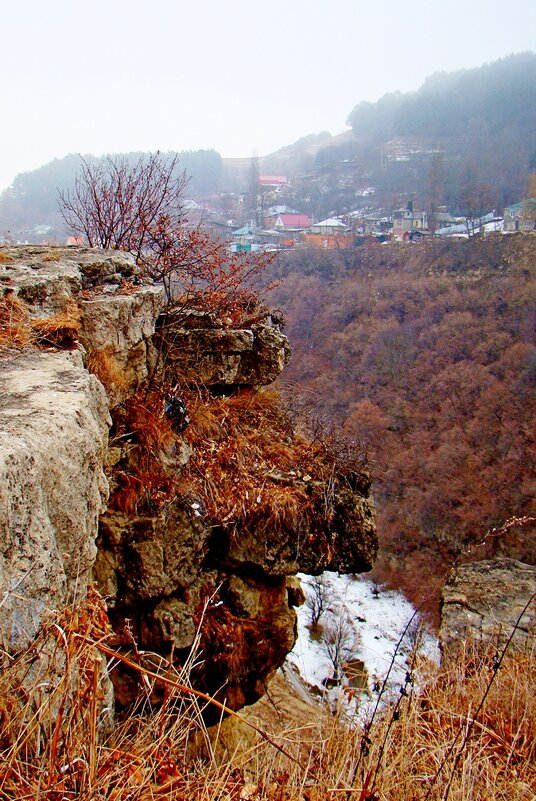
[(177, 569), (52, 486), (483, 601)]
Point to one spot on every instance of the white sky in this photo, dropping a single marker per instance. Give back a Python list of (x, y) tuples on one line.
[(235, 75)]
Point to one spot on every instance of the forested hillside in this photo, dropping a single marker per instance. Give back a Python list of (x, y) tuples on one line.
[(439, 145), (428, 354), (33, 197)]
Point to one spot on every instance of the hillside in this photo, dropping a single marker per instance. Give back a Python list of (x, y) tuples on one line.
[(438, 145), (428, 355)]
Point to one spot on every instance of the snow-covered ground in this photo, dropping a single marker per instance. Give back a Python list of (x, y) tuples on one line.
[(360, 622)]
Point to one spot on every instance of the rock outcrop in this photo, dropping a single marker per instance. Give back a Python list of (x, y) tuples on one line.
[(53, 489), (483, 601), (198, 348), (177, 569)]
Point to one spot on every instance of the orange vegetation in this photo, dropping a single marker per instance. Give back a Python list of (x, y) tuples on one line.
[(463, 731), (428, 353)]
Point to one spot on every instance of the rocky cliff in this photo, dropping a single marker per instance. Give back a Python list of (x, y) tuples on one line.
[(138, 448)]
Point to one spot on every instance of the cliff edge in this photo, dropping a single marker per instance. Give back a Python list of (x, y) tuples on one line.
[(139, 448)]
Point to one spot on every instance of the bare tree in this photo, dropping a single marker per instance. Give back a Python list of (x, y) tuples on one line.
[(475, 199), (317, 599), (124, 206), (339, 640), (139, 208)]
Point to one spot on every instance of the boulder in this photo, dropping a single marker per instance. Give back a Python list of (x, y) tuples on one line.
[(482, 601)]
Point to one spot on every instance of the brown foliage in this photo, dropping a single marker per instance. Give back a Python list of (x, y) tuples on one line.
[(428, 353), (251, 465)]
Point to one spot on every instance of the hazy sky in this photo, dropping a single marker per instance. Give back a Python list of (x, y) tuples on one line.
[(235, 75)]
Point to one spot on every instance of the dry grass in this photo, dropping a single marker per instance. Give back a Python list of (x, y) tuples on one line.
[(51, 255), (144, 482), (5, 258), (415, 750), (251, 465), (60, 330), (54, 743), (19, 330), (104, 365), (15, 325)]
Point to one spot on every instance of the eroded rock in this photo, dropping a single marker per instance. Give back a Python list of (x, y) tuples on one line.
[(224, 357), (482, 601), (53, 441)]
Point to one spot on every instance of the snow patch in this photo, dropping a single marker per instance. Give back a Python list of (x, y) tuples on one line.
[(373, 622)]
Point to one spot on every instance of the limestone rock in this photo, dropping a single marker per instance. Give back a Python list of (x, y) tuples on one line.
[(225, 357), (46, 277), (483, 600), (119, 327), (53, 436)]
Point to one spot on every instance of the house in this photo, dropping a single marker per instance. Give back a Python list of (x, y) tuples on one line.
[(415, 235), (271, 215), (329, 234), (331, 226), (292, 222), (520, 216), (405, 220), (273, 181)]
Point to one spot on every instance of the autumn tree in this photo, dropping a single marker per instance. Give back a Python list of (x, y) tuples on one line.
[(140, 208)]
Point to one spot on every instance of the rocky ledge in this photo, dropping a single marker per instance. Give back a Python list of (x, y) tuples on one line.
[(209, 517)]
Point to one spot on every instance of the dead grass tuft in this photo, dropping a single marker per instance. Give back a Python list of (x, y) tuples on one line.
[(53, 741), (5, 258), (18, 329), (51, 256), (15, 326), (59, 330), (103, 364)]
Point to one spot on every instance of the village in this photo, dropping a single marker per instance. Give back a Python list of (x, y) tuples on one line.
[(264, 219), (261, 220)]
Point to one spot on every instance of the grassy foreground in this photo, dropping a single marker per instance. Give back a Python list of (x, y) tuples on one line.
[(469, 732)]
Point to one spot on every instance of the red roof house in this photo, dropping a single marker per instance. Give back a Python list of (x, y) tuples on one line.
[(292, 222)]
